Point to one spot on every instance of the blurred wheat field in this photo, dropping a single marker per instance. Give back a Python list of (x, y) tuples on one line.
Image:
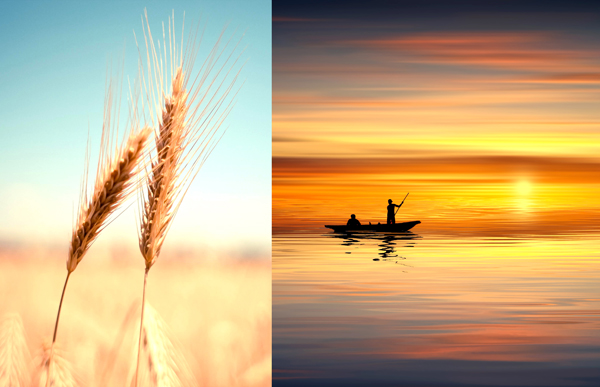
[(217, 312)]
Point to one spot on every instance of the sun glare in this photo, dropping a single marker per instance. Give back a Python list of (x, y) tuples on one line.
[(523, 187), (523, 190)]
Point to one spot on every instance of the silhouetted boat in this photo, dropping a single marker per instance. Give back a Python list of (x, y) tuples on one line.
[(397, 227)]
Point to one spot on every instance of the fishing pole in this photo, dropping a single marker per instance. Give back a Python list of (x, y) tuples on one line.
[(401, 204)]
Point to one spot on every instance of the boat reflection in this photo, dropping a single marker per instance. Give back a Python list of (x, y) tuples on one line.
[(387, 243)]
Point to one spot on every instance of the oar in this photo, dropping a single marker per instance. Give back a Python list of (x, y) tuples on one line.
[(401, 204)]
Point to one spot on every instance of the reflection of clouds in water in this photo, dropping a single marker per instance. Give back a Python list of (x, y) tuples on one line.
[(477, 310)]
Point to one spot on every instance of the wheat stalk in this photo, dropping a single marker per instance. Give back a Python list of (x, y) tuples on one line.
[(114, 183), (14, 354), (162, 186), (106, 370), (190, 114)]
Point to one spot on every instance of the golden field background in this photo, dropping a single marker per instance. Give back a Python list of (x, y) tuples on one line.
[(218, 312)]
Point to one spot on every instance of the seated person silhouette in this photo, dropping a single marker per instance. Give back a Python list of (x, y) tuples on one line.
[(353, 221)]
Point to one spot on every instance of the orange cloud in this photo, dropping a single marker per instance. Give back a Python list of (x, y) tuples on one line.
[(585, 78), (490, 168), (524, 50)]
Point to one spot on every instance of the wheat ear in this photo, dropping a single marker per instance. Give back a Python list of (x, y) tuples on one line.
[(162, 185), (110, 190), (53, 369), (164, 365), (14, 354)]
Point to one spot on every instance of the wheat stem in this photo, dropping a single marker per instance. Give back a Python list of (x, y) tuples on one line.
[(62, 296), (137, 366)]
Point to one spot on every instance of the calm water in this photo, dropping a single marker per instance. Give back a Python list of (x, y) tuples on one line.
[(425, 310)]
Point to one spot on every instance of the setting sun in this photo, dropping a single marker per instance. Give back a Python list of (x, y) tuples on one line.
[(523, 187)]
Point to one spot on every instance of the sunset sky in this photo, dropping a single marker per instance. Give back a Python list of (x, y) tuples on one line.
[(486, 112), (56, 59)]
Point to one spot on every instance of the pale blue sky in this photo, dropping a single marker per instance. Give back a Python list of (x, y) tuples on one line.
[(54, 58)]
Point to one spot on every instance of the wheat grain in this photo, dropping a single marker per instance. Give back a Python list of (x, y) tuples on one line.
[(14, 354)]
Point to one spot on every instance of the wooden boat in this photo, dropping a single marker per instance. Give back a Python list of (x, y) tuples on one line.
[(397, 227)]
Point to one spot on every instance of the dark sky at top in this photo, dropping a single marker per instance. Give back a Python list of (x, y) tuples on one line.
[(431, 8), (311, 20)]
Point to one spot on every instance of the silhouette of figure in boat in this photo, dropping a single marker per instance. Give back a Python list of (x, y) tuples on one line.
[(353, 221), (391, 212)]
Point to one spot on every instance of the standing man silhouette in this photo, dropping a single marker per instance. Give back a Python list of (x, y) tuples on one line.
[(391, 214)]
